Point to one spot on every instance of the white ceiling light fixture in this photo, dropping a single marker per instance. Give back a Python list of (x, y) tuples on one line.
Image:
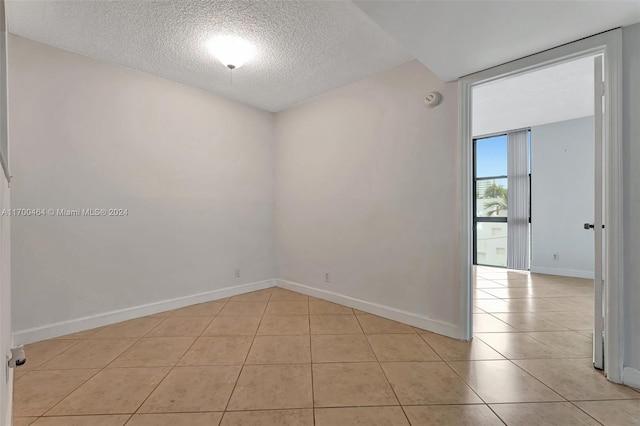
[(232, 51)]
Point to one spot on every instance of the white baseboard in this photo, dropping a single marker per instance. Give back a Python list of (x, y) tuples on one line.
[(631, 377), (36, 334), (575, 273), (416, 320)]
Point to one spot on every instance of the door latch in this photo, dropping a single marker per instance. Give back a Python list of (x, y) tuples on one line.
[(590, 226)]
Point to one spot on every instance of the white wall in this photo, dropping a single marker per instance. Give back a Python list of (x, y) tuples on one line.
[(367, 191), (631, 191), (562, 197), (194, 170)]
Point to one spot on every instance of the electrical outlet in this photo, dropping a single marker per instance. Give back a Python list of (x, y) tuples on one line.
[(327, 277), (556, 257), (236, 273)]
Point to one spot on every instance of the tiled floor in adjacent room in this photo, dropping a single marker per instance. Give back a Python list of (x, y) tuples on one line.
[(275, 357)]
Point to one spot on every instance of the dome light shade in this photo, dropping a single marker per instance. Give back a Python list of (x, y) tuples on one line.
[(232, 51)]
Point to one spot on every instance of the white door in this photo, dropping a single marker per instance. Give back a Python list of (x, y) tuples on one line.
[(598, 283)]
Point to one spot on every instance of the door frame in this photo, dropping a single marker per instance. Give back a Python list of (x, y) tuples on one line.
[(610, 45)]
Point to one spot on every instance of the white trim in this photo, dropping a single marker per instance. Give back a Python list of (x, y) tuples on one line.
[(631, 377), (614, 273), (575, 273), (416, 320), (609, 43), (86, 323), (466, 208)]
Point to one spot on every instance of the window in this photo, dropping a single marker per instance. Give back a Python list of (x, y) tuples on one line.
[(491, 201)]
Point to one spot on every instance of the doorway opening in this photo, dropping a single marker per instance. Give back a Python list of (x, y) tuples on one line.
[(556, 300), (607, 46)]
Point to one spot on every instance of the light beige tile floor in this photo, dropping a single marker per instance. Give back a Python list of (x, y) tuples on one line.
[(275, 357)]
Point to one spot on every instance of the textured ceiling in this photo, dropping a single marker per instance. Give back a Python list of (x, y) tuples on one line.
[(304, 47), (556, 93), (456, 38)]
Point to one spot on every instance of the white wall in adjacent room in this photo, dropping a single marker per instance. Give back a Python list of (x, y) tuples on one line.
[(559, 92), (367, 191), (562, 197), (194, 171)]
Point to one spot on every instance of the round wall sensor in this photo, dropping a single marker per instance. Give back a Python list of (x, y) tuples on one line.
[(433, 99)]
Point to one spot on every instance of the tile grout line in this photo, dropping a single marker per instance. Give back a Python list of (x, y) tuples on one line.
[(430, 347), (128, 420), (44, 414), (55, 356), (66, 395), (382, 369), (496, 414), (511, 361), (126, 349), (180, 359), (539, 381), (447, 363), (526, 358), (504, 322), (99, 370), (596, 420), (171, 368), (246, 356), (198, 336), (313, 394)]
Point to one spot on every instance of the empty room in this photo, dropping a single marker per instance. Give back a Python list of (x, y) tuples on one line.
[(319, 213)]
